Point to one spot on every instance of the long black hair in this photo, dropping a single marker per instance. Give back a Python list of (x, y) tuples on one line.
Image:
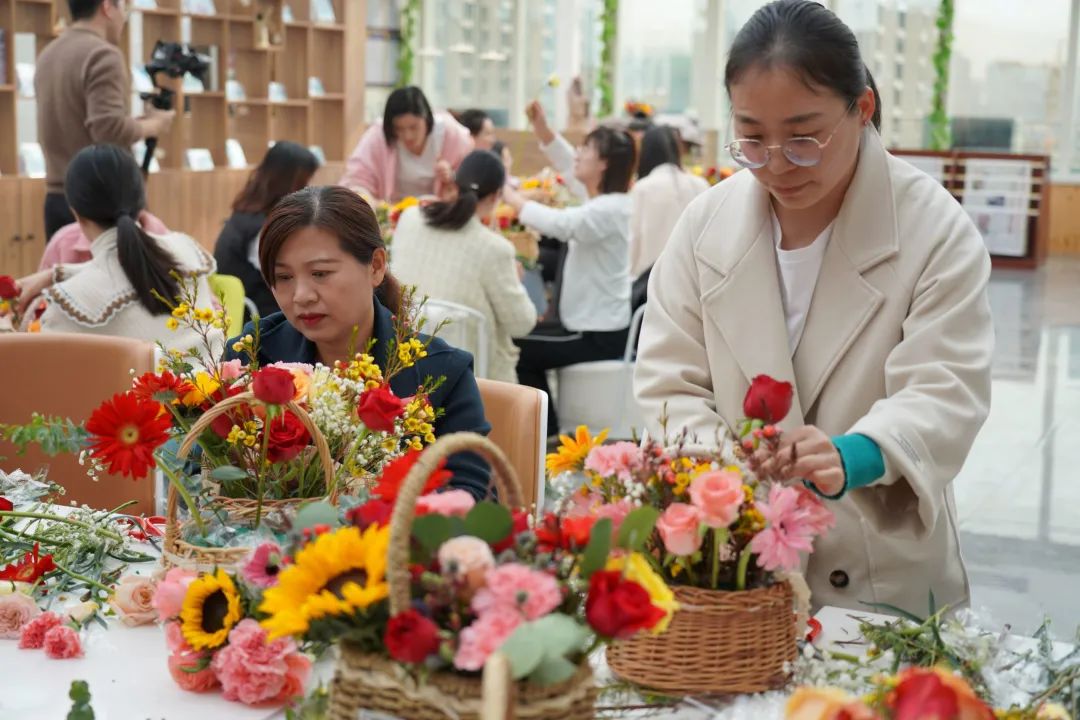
[(408, 100), (104, 185), (660, 146), (286, 168), (617, 148), (473, 120), (808, 38), (480, 175)]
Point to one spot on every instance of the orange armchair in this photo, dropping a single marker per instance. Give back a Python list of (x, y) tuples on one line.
[(518, 417)]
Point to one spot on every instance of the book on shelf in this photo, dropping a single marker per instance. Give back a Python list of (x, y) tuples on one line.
[(287, 14), (25, 74), (31, 160), (322, 11), (315, 87), (144, 5), (199, 159), (317, 151), (275, 91), (234, 91), (199, 7), (3, 57), (234, 153)]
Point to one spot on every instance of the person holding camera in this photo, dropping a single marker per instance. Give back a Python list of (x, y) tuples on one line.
[(84, 97)]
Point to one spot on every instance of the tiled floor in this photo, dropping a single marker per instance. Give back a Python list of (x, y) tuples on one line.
[(1018, 496)]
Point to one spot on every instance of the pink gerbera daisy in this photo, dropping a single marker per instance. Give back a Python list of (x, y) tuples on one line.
[(789, 530)]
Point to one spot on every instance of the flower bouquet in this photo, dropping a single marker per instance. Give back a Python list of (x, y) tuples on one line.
[(526, 242), (712, 174), (388, 214), (424, 590), (727, 541)]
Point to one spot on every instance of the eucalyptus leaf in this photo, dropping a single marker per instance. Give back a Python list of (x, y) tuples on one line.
[(553, 670), (489, 521), (560, 634), (315, 513), (596, 552), (637, 527), (524, 649), (228, 473), (431, 531)]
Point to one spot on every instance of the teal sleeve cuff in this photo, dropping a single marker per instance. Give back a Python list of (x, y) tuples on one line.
[(862, 460)]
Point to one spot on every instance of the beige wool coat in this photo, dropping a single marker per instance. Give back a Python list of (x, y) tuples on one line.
[(897, 347)]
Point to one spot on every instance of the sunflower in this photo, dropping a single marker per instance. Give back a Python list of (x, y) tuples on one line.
[(125, 431), (336, 575), (570, 457), (211, 608)]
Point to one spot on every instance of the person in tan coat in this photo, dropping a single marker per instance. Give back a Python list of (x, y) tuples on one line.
[(837, 267)]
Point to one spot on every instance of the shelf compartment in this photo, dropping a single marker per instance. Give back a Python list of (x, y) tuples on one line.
[(288, 122), (291, 67), (206, 125), (249, 124), (327, 58), (328, 118)]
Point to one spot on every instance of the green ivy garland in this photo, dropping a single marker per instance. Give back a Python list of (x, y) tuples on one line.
[(940, 135), (406, 56), (605, 83)]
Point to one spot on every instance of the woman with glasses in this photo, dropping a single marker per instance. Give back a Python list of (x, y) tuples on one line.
[(834, 266)]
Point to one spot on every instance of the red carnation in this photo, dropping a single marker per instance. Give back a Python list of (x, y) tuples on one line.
[(768, 400), (617, 607), (9, 289), (125, 431), (379, 408), (394, 472), (373, 512), (274, 386), (411, 637), (288, 437)]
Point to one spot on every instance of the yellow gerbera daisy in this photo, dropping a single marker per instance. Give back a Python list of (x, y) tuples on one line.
[(333, 576), (570, 457), (211, 608), (204, 386), (636, 568)]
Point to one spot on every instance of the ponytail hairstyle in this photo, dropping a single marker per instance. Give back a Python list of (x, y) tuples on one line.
[(660, 146), (335, 210), (103, 185), (808, 39), (480, 175)]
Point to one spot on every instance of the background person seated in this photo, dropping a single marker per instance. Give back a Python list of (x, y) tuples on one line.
[(71, 246)]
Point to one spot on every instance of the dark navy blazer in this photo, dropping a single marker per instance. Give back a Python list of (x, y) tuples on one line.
[(458, 396)]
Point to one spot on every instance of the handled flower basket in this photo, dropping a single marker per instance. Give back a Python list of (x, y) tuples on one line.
[(526, 243), (176, 551), (375, 682), (736, 642)]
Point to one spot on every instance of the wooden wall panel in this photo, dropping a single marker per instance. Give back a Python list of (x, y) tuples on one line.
[(1065, 219)]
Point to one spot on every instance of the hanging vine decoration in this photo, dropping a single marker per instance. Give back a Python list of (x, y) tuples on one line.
[(605, 83), (940, 135), (410, 10)]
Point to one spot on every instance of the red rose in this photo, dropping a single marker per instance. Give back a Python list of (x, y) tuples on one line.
[(394, 472), (521, 524), (379, 408), (373, 512), (6, 505), (768, 400), (288, 437), (274, 386), (618, 608), (411, 637), (923, 695), (504, 221), (8, 289)]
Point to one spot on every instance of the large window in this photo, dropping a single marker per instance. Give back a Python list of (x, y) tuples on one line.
[(656, 53)]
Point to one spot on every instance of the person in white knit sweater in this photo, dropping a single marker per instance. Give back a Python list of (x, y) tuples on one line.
[(448, 253)]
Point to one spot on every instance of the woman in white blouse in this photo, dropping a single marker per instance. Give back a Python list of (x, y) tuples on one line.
[(594, 304), (448, 253), (661, 193)]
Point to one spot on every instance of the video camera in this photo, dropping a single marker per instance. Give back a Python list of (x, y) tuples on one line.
[(174, 60)]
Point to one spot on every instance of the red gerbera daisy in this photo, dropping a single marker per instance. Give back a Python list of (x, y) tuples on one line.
[(164, 387), (394, 472), (30, 568), (125, 431)]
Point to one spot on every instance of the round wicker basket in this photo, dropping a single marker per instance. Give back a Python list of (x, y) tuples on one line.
[(735, 642), (374, 682), (177, 552)]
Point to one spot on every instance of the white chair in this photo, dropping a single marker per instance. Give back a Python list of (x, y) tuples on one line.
[(600, 394), (465, 328)]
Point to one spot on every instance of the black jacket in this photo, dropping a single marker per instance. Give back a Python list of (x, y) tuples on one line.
[(458, 396), (231, 253)]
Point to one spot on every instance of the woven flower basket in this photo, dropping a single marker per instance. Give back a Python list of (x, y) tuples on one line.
[(526, 243), (718, 642), (374, 682), (176, 551)]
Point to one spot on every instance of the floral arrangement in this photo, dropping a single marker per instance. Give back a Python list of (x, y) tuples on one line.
[(215, 640), (259, 445), (634, 108), (10, 319), (547, 187), (712, 174), (388, 214), (483, 580), (714, 517), (525, 241)]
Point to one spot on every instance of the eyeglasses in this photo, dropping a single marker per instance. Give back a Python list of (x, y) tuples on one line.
[(801, 151)]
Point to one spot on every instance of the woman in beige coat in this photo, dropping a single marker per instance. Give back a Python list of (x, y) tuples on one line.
[(846, 271)]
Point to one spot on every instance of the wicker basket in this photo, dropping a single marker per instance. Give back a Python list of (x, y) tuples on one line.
[(526, 243), (718, 642), (177, 552), (374, 682)]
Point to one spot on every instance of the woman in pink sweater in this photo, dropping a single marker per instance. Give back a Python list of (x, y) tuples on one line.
[(413, 152)]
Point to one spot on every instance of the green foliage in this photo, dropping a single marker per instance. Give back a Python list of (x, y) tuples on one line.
[(53, 434), (596, 552), (538, 650), (406, 55), (605, 82), (80, 701), (315, 513), (940, 135), (489, 521), (637, 528)]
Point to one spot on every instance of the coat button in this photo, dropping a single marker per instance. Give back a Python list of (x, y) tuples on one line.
[(838, 579)]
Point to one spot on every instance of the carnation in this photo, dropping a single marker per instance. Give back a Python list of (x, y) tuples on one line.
[(483, 637), (517, 587), (62, 642), (33, 633), (254, 671)]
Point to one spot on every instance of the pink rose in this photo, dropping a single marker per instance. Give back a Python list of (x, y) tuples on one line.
[(451, 503), (466, 559), (230, 370), (33, 632), (200, 681), (255, 671), (483, 637), (718, 495), (169, 597), (16, 610), (679, 529), (62, 643), (617, 460), (616, 512), (134, 600)]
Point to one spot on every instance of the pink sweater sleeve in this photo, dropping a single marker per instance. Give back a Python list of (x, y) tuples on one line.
[(371, 166), (457, 143)]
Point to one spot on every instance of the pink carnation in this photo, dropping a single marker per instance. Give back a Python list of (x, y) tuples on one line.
[(174, 638), (295, 367), (16, 610), (169, 596), (62, 642), (483, 637), (262, 568), (33, 633), (451, 503), (788, 531), (230, 370), (180, 665), (616, 512), (517, 587), (617, 460), (253, 670)]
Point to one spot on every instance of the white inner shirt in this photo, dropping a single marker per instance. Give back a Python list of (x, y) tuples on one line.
[(799, 270), (416, 173)]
